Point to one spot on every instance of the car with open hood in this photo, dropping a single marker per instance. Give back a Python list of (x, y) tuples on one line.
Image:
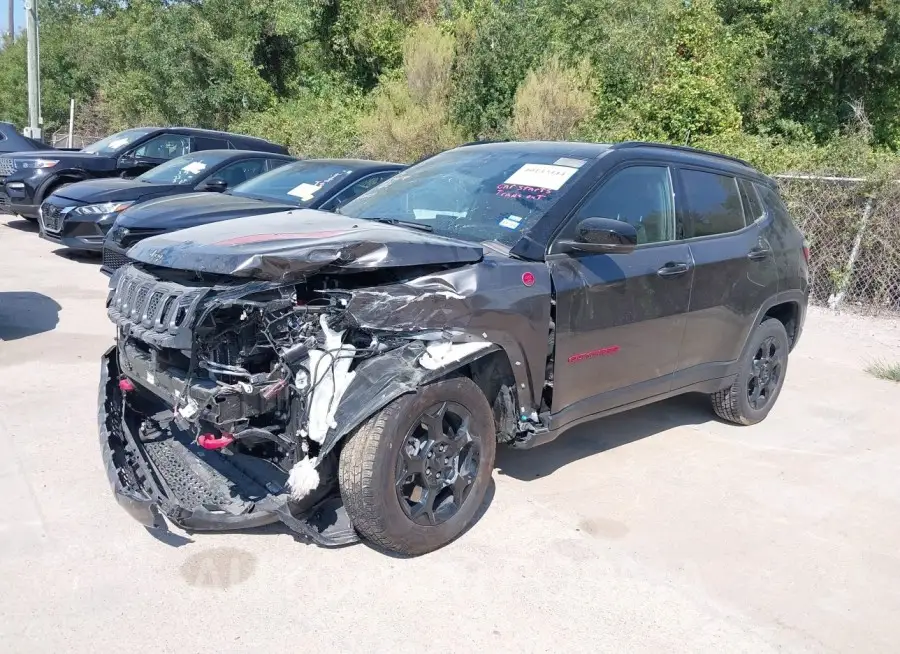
[(352, 375), (28, 178), (324, 184), (79, 215)]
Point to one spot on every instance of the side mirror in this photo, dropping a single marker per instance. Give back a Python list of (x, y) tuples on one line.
[(602, 236), (215, 185), (126, 161)]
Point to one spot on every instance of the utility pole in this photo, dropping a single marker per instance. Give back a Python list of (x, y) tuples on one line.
[(12, 20), (34, 71)]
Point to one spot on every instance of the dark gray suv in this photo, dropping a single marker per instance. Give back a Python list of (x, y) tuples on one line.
[(352, 375)]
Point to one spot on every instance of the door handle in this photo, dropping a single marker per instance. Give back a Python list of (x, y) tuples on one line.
[(673, 269), (759, 253)]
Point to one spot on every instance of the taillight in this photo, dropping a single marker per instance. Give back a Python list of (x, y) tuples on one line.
[(806, 251)]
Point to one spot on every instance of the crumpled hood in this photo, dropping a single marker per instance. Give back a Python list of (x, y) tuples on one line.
[(291, 245), (194, 209), (114, 189)]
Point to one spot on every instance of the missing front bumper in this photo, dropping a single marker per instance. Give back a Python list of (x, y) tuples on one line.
[(173, 479)]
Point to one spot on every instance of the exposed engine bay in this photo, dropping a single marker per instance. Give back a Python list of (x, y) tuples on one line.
[(256, 371)]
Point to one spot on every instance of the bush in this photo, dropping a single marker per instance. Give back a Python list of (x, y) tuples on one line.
[(552, 102), (410, 118)]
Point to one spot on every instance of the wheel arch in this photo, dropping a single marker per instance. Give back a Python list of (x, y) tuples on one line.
[(58, 179), (381, 380), (788, 307)]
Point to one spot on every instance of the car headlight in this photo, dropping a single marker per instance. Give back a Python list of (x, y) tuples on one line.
[(102, 208), (23, 164), (106, 212)]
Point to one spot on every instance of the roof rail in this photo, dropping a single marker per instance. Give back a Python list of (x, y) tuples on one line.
[(680, 148)]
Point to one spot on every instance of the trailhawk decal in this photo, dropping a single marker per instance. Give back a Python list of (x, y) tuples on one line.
[(602, 352)]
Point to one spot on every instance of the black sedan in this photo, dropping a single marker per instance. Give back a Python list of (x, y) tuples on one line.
[(324, 184), (79, 215)]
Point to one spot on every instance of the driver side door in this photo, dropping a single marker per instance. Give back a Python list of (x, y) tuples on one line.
[(153, 152), (620, 318)]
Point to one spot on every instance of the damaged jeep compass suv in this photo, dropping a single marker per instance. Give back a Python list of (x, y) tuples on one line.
[(351, 375)]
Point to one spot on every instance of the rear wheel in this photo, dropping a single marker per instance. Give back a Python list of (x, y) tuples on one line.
[(414, 475), (750, 398)]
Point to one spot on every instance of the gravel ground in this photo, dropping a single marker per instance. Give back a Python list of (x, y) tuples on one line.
[(657, 530)]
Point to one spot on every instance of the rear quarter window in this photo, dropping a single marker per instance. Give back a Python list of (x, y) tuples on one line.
[(713, 203)]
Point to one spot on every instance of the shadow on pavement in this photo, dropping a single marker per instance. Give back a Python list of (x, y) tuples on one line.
[(79, 256), (25, 313), (21, 224), (604, 434)]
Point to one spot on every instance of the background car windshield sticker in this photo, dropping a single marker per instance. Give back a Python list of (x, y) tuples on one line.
[(194, 167), (518, 191), (544, 176), (306, 191)]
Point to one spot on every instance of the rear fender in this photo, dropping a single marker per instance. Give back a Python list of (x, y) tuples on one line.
[(381, 380)]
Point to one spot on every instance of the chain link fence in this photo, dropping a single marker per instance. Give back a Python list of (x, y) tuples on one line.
[(853, 229)]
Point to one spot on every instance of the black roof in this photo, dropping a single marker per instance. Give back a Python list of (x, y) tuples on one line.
[(584, 150), (238, 140), (580, 149), (235, 154), (360, 165)]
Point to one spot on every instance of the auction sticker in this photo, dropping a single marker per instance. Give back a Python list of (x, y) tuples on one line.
[(542, 175)]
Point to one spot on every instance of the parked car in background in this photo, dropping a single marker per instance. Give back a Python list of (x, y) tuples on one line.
[(325, 184), (79, 215), (496, 293), (28, 178), (12, 141)]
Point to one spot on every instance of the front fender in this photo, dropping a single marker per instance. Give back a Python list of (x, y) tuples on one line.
[(63, 176), (381, 380)]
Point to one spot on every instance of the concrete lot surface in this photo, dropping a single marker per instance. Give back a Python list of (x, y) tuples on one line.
[(659, 530)]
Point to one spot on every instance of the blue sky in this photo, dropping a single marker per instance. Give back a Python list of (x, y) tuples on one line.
[(19, 9)]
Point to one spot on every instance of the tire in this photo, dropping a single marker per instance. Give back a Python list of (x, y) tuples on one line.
[(378, 455), (754, 392)]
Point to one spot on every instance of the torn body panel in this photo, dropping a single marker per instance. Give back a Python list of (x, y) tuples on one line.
[(280, 371)]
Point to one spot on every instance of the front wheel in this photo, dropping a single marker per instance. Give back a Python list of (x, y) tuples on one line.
[(414, 475), (763, 367)]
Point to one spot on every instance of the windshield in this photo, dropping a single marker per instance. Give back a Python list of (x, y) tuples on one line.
[(119, 140), (183, 170), (299, 184), (473, 193)]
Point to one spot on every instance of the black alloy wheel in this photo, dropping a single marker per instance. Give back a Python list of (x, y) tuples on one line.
[(437, 464), (765, 378)]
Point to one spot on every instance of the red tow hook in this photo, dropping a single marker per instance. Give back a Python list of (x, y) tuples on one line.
[(210, 442), (126, 385)]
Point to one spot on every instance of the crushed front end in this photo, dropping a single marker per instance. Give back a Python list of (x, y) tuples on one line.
[(205, 402)]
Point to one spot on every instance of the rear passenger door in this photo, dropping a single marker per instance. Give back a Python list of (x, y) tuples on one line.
[(734, 269)]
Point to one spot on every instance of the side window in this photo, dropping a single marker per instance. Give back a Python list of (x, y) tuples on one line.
[(239, 172), (639, 195), (164, 146), (206, 143), (774, 204), (272, 164), (356, 189), (713, 203), (753, 208)]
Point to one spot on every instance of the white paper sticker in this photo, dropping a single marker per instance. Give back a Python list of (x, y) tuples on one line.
[(566, 161), (542, 176), (117, 143), (194, 167), (305, 191), (515, 219), (509, 224)]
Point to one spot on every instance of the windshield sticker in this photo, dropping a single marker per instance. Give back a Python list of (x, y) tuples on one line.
[(194, 167), (566, 161), (545, 176), (519, 191), (509, 223), (117, 143), (305, 191)]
